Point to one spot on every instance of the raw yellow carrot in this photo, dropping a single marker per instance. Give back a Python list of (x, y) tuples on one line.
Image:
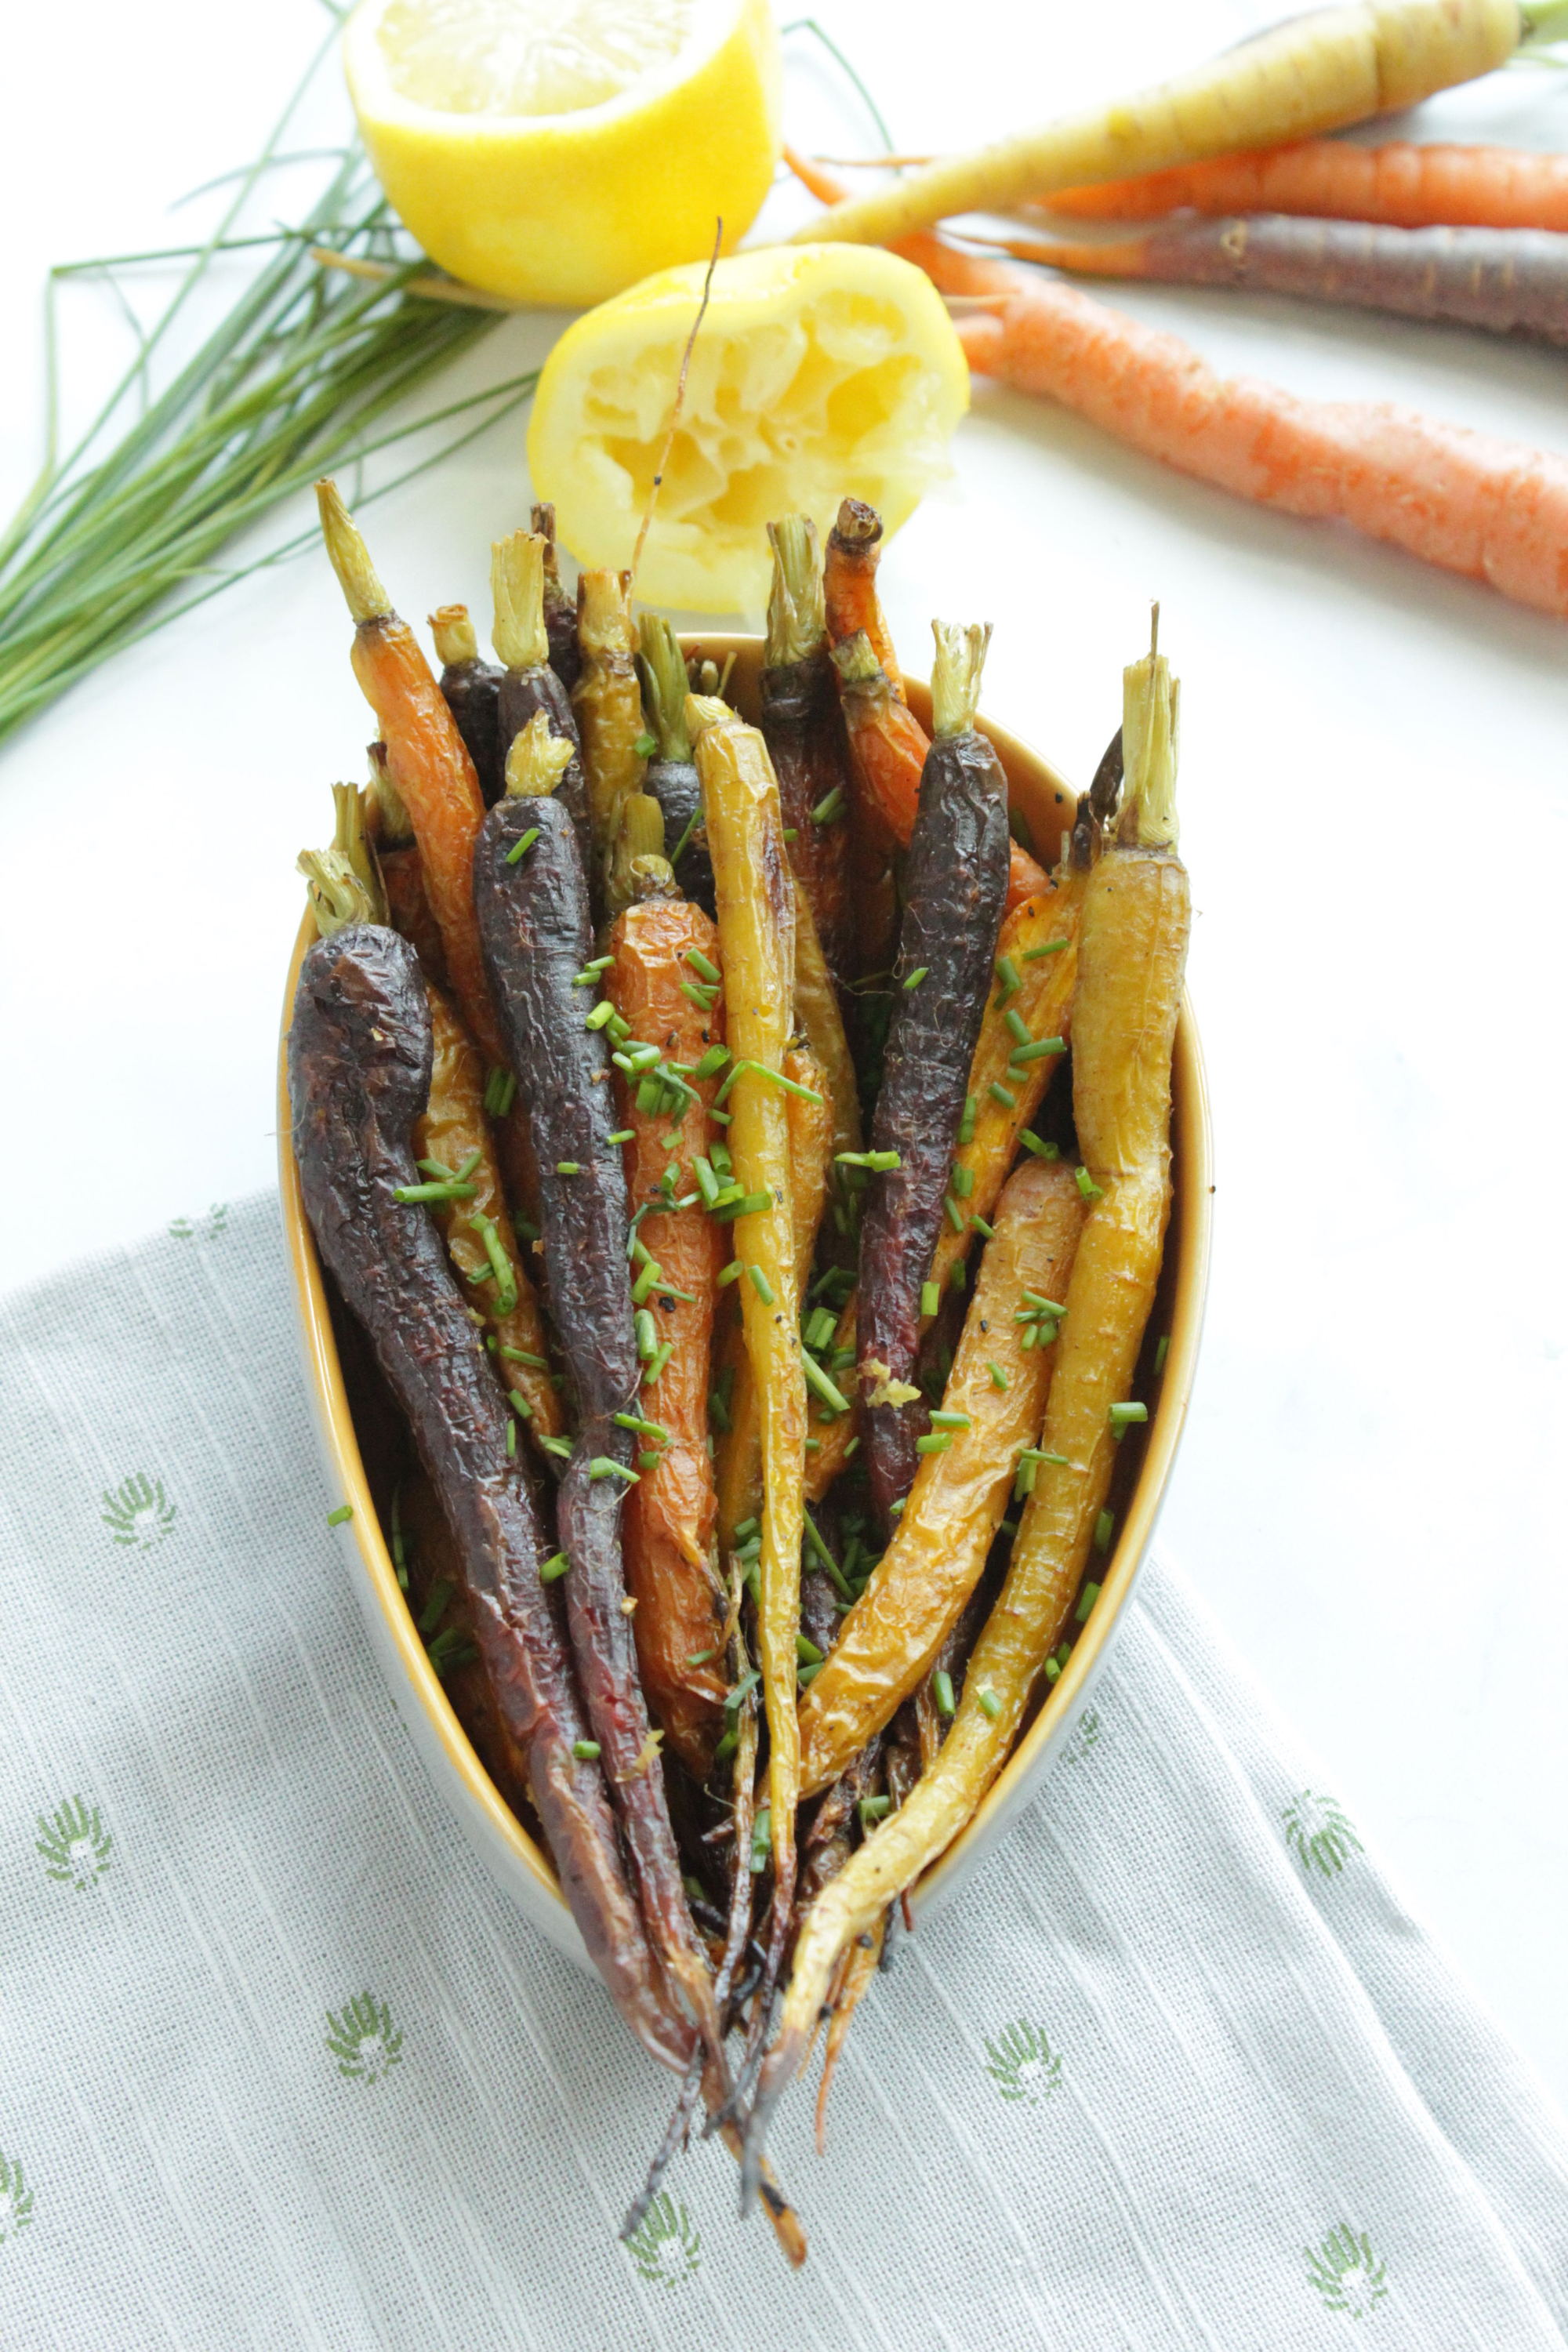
[(1315, 72)]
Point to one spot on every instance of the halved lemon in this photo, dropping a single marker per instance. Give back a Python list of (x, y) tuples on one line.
[(556, 151), (819, 373)]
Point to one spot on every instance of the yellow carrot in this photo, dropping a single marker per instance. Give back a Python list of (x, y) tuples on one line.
[(756, 897), (1315, 72)]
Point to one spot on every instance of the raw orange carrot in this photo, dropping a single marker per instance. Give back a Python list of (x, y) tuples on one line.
[(1494, 510), (1330, 66), (667, 1523), (1410, 186), (425, 757)]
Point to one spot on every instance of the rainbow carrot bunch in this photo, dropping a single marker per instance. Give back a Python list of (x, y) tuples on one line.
[(726, 1262)]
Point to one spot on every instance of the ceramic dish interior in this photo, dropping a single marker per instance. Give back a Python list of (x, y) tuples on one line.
[(340, 1389)]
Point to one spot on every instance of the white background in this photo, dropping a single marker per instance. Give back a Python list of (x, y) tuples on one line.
[(1374, 781)]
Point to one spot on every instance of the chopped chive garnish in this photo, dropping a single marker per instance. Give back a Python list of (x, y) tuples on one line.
[(761, 1285), (930, 1298), (585, 1750), (646, 1331), (599, 1015), (522, 1356), (820, 1329), (805, 1676), (712, 1062), (953, 1213), (1031, 1142), (878, 1161), (703, 966), (1043, 1305), (1052, 1671), (650, 1460), (656, 1363), (942, 1691), (695, 994), (999, 1094), (817, 1380), (623, 1134), (340, 1518), (568, 1167), (510, 1440), (823, 1556), (1039, 1048), (978, 1225), (955, 1275), (730, 1272), (952, 1421), (1051, 946), (1123, 1416), (962, 1182), (603, 1466), (590, 973), (1017, 1027), (519, 1404), (640, 1428), (641, 1057), (751, 1205), (1008, 973), (966, 1124), (500, 1088), (1085, 1601), (699, 1657), (852, 1448), (731, 1739), (1104, 1528), (520, 848), (914, 979), (807, 1652), (937, 1442), (998, 1377), (646, 745), (499, 1263), (450, 1191), (646, 1282), (1162, 1349), (737, 1691), (1087, 1187), (988, 1703), (560, 1446), (830, 808), (553, 1567), (721, 1115), (874, 1809)]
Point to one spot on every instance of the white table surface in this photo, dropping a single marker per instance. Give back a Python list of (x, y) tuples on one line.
[(1374, 781)]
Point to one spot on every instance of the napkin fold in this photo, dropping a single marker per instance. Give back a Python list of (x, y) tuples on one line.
[(278, 2067)]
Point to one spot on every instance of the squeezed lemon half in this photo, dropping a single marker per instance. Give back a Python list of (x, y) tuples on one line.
[(556, 151), (820, 371)]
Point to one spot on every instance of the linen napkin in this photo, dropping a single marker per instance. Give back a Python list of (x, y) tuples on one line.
[(279, 2068)]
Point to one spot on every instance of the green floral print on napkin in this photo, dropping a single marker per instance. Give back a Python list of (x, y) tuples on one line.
[(1022, 2065), (137, 1512), (1346, 2273), (363, 2041), (206, 1229), (74, 1843), (668, 2246), (1320, 1833), (15, 2201)]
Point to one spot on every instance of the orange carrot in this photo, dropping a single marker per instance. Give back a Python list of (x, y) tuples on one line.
[(1413, 187), (667, 1526), (425, 757), (849, 585), (1494, 510)]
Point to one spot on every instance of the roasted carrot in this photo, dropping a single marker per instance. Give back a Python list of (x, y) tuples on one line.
[(1024, 1036), (756, 932), (803, 730), (471, 687), (1508, 281), (1132, 948), (671, 773), (992, 1409), (530, 684), (851, 605), (1408, 186), (359, 1058), (1315, 72), (809, 1124), (658, 949), (955, 880), (427, 759), (606, 703), (887, 747), (821, 1021), (532, 900), (837, 1433), (397, 856), (559, 604)]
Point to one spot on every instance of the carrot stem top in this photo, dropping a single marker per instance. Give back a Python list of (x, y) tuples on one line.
[(1150, 713), (797, 614), (349, 841), (705, 710), (661, 666), (517, 584), (367, 600), (537, 759), (337, 896), (391, 826), (955, 674), (454, 637), (856, 661)]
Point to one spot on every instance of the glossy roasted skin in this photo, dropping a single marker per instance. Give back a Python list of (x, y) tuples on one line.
[(892, 1636), (850, 583), (606, 702), (359, 1073), (470, 686), (955, 882), (538, 687), (534, 922), (451, 1129), (669, 1515), (803, 730)]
